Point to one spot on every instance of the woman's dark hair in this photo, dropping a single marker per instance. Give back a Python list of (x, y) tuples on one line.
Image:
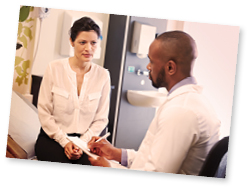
[(83, 24)]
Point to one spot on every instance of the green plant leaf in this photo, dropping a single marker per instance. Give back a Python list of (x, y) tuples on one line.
[(19, 70), (24, 13), (19, 80), (27, 32), (24, 40), (22, 73), (20, 28), (29, 20), (18, 60), (26, 65)]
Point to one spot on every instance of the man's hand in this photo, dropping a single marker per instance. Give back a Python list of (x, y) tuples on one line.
[(72, 151), (99, 161), (103, 148)]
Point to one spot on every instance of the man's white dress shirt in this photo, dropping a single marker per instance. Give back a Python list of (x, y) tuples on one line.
[(180, 136)]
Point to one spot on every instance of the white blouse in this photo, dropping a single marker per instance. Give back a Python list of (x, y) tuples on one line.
[(62, 111)]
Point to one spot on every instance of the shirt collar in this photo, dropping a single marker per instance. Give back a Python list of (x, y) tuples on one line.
[(188, 80), (73, 73)]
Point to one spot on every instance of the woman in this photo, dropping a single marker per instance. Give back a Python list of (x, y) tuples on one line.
[(73, 98)]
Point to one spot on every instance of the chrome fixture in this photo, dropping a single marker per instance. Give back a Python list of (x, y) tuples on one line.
[(140, 72)]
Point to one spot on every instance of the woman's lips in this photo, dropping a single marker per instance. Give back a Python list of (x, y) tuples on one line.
[(87, 55)]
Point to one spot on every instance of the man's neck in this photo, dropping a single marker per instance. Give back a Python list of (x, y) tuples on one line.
[(185, 81)]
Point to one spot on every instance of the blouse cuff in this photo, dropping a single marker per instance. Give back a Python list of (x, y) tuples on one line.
[(63, 142)]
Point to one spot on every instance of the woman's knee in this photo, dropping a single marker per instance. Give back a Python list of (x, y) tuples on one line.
[(49, 150)]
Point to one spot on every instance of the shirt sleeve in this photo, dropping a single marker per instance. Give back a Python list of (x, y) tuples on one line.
[(175, 133), (124, 158), (45, 110), (131, 154), (100, 120)]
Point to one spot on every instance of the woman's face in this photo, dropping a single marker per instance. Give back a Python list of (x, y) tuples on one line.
[(85, 45)]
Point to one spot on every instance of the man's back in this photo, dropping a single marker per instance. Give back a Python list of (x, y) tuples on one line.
[(181, 134)]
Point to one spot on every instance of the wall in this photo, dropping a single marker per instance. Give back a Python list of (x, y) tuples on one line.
[(216, 65), (134, 121), (50, 39)]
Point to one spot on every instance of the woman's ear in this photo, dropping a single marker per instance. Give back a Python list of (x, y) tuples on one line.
[(72, 43), (171, 67)]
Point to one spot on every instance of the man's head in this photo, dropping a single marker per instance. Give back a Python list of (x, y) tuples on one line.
[(171, 55)]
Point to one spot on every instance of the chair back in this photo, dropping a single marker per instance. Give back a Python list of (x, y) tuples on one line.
[(214, 158)]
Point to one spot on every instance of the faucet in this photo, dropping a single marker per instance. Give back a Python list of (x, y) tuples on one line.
[(140, 72)]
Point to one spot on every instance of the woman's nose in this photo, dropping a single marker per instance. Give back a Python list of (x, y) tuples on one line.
[(87, 46)]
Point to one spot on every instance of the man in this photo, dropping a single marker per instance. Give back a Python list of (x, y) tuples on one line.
[(185, 127)]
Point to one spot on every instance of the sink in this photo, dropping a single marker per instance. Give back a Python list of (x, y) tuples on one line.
[(146, 98)]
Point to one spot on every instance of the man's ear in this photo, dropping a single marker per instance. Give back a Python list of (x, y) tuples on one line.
[(171, 67)]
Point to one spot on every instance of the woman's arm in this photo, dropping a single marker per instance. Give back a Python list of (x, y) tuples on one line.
[(100, 120), (45, 110)]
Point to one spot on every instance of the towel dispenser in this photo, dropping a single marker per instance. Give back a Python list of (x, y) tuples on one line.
[(143, 36)]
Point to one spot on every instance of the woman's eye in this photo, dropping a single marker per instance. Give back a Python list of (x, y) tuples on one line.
[(93, 43), (82, 43)]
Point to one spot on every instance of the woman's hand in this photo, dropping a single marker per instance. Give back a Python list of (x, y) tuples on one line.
[(103, 148), (72, 151)]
